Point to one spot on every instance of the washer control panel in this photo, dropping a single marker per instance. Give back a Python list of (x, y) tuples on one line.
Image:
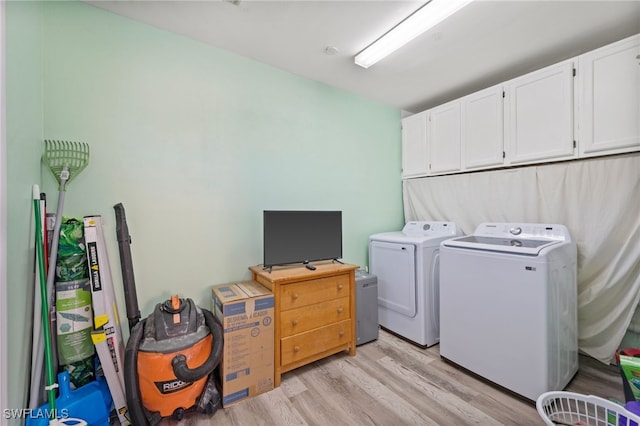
[(430, 228), (524, 231)]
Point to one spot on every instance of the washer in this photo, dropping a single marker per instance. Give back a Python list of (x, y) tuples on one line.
[(508, 305), (407, 266)]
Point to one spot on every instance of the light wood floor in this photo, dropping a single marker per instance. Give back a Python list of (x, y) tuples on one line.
[(392, 382)]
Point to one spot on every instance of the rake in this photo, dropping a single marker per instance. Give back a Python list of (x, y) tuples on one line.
[(65, 160)]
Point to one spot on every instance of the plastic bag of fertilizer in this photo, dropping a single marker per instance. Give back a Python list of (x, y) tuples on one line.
[(74, 320)]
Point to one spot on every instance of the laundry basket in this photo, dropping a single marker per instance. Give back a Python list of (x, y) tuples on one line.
[(568, 408)]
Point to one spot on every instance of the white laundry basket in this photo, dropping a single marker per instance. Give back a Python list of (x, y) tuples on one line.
[(569, 408)]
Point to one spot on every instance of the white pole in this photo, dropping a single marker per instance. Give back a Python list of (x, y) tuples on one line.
[(4, 384)]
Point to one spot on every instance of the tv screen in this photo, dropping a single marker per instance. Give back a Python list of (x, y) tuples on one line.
[(301, 236)]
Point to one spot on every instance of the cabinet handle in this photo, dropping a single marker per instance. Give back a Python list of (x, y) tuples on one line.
[(296, 348), (341, 333), (294, 322), (294, 296), (340, 309), (339, 286)]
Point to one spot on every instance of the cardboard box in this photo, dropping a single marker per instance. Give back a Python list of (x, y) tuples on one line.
[(245, 310)]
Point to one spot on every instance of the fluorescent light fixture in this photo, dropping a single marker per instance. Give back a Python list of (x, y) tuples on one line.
[(420, 21)]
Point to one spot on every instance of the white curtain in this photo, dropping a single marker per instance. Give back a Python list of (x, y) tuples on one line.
[(598, 199)]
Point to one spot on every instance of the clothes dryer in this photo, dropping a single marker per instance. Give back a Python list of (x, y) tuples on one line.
[(407, 266), (508, 305)]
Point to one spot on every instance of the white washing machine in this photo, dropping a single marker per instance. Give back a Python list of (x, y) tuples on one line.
[(407, 266), (508, 305)]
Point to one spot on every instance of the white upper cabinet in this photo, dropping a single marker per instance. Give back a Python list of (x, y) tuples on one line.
[(540, 123), (414, 145), (582, 107), (444, 138), (483, 128), (609, 98)]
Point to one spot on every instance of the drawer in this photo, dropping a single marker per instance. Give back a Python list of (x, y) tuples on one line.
[(313, 316), (313, 291), (303, 345)]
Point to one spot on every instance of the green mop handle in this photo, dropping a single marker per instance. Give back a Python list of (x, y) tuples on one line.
[(49, 373)]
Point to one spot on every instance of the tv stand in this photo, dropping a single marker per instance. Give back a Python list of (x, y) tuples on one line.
[(314, 315)]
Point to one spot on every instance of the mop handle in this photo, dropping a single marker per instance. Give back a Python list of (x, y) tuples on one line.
[(50, 374)]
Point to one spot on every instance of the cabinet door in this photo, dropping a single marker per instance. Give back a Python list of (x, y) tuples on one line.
[(541, 115), (483, 128), (609, 98), (444, 138), (414, 145)]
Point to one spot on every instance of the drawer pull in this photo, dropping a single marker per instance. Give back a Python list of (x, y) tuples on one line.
[(294, 322), (341, 333), (294, 296), (340, 309), (339, 286), (296, 348)]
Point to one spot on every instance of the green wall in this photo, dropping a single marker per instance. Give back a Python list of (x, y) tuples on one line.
[(194, 141), (24, 119)]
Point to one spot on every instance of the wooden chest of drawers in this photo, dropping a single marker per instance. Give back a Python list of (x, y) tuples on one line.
[(315, 314)]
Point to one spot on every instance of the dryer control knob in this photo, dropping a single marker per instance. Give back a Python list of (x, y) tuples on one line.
[(515, 231)]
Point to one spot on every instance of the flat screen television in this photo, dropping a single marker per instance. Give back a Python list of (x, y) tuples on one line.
[(296, 236)]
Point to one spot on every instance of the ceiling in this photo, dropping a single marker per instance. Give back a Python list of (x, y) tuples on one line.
[(487, 42)]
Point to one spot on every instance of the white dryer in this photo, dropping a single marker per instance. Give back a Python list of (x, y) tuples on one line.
[(407, 266), (508, 305)]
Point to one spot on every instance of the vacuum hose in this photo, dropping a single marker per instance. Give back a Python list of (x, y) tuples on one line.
[(179, 362), (131, 382)]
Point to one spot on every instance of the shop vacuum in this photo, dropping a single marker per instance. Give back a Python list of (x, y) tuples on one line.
[(171, 355)]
